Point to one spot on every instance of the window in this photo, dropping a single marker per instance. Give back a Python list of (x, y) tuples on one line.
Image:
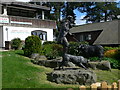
[(81, 38), (34, 33), (41, 34), (85, 37), (89, 37), (44, 36), (20, 12)]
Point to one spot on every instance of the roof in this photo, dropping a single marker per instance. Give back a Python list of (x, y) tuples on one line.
[(91, 27), (27, 5), (109, 35)]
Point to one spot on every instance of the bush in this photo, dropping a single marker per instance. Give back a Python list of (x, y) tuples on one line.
[(51, 51), (114, 53), (110, 48), (94, 59), (49, 42), (32, 45), (114, 63), (16, 43), (74, 46)]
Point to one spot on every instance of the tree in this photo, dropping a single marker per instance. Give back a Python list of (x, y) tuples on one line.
[(100, 11), (69, 8)]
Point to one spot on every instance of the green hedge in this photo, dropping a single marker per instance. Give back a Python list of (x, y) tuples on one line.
[(16, 43), (32, 45)]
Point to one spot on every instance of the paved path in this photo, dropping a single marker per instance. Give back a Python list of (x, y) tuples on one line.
[(2, 49)]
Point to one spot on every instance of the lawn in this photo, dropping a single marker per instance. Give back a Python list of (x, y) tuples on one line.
[(19, 72)]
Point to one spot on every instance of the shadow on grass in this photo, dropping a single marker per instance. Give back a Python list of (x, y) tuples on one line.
[(19, 52)]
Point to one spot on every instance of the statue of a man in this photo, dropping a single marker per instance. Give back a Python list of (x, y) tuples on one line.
[(64, 30)]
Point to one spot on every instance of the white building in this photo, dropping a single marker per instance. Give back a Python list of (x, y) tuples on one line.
[(20, 20)]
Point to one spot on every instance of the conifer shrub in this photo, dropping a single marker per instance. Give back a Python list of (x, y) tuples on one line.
[(52, 51), (16, 43), (32, 45)]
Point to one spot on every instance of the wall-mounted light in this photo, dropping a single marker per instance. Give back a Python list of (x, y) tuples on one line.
[(6, 29), (7, 33)]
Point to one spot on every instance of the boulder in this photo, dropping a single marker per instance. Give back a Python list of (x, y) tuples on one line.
[(52, 63), (47, 63), (79, 76), (70, 64), (36, 56), (103, 65)]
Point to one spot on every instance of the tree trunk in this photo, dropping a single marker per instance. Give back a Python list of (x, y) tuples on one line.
[(105, 16)]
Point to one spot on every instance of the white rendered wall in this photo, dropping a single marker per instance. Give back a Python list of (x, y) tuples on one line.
[(11, 32)]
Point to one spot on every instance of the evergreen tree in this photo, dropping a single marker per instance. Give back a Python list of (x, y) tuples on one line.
[(100, 11)]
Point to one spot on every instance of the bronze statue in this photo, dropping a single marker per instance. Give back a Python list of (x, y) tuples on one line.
[(92, 51), (65, 27), (78, 60)]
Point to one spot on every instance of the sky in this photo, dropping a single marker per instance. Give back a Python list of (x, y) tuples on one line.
[(79, 15)]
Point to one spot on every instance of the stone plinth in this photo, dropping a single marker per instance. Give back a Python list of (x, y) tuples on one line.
[(82, 77)]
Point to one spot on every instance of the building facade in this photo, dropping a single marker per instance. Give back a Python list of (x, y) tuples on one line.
[(20, 20), (104, 33)]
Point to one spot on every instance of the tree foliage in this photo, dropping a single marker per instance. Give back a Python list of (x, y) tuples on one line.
[(100, 11)]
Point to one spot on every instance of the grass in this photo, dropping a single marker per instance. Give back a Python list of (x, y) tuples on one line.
[(19, 72)]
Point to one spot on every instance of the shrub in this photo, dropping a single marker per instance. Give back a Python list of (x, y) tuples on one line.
[(94, 58), (110, 48), (16, 43), (74, 46), (49, 42), (114, 53), (51, 51), (32, 45), (114, 63)]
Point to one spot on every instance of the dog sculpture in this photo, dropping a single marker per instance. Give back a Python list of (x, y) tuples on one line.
[(92, 51), (78, 60)]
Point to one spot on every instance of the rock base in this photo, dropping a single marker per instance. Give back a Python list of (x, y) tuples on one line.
[(81, 77), (51, 63), (103, 65)]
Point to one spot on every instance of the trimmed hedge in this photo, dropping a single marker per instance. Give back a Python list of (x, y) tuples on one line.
[(32, 45), (16, 43)]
